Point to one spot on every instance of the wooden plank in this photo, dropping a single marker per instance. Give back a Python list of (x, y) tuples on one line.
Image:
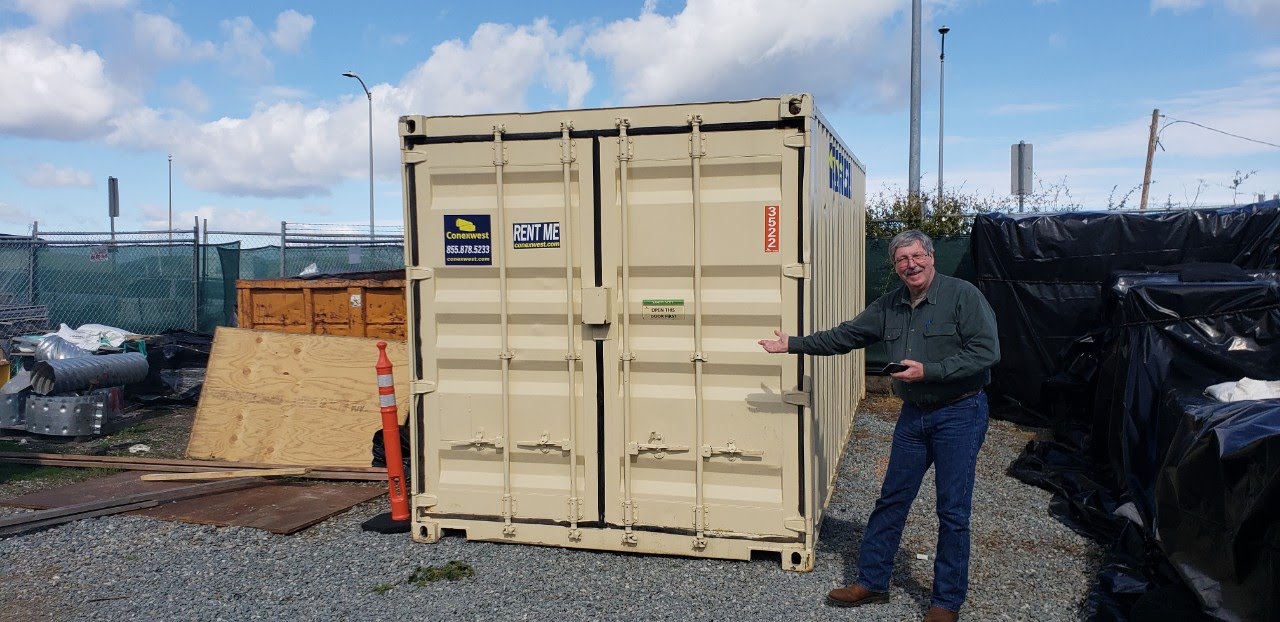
[(228, 474), (279, 508), (63, 513), (127, 462), (298, 400), (366, 474)]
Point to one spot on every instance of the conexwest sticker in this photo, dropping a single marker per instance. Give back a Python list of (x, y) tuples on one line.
[(468, 240), (535, 235), (840, 171)]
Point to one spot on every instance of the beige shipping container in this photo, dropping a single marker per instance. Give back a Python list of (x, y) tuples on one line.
[(586, 290)]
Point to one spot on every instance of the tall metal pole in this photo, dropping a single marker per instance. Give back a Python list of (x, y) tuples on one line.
[(942, 59), (171, 198), (913, 173), (367, 94)]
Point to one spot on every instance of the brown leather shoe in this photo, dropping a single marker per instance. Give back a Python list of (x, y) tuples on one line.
[(938, 614), (855, 596)]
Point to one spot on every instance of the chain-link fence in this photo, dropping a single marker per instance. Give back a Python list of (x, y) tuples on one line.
[(153, 281)]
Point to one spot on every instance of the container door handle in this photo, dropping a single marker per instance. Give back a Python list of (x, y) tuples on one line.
[(655, 444), (478, 441), (545, 445), (732, 451)]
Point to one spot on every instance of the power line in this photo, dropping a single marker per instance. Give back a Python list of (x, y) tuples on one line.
[(1173, 121)]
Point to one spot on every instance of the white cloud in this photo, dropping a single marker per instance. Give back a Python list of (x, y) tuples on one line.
[(156, 217), (243, 48), (164, 39), (292, 30), (1177, 6), (1031, 108), (54, 13), (14, 214), (290, 149), (729, 49), (1268, 58), (1264, 12), (192, 97), (46, 175), (495, 69), (65, 92)]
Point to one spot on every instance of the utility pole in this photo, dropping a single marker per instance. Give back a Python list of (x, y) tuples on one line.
[(913, 173), (1151, 154), (942, 59), (171, 198)]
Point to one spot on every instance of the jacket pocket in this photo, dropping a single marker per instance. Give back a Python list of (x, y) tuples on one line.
[(941, 340)]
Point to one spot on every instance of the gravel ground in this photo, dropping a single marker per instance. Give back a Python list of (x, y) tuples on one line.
[(1026, 566)]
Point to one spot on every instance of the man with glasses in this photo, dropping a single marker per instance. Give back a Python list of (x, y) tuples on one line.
[(944, 332)]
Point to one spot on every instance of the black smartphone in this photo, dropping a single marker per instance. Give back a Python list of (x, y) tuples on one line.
[(893, 368)]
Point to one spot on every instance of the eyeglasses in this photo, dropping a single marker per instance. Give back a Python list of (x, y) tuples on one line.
[(917, 258)]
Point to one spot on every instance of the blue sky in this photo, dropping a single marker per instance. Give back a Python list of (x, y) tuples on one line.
[(249, 99)]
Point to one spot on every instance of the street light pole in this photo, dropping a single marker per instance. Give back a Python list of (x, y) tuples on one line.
[(367, 94), (171, 198), (942, 59)]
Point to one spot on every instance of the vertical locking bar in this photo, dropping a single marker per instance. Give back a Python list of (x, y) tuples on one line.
[(699, 358), (498, 249), (624, 157), (571, 353)]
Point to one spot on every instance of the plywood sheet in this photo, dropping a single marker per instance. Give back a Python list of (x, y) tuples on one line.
[(297, 400), (282, 508)]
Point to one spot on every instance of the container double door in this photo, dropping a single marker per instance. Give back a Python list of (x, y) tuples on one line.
[(596, 365)]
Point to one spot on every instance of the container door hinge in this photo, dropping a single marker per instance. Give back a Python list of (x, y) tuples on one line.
[(424, 500), (796, 523), (418, 273), (655, 444), (413, 157), (422, 387), (798, 271), (796, 141), (797, 398)]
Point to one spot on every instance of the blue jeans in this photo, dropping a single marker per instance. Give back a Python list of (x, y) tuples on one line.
[(949, 439)]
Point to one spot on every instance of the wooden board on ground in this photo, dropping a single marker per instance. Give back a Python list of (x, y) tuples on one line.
[(290, 399), (276, 507)]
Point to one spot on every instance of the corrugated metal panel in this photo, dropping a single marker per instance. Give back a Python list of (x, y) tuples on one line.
[(587, 288)]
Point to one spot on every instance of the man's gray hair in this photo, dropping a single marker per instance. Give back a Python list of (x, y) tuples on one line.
[(909, 237)]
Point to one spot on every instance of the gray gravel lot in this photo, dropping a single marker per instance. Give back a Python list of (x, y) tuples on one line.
[(1026, 566)]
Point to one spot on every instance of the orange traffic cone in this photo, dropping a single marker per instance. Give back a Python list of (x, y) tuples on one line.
[(397, 520)]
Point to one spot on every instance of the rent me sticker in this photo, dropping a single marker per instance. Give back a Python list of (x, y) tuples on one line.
[(662, 309), (771, 228), (468, 240), (535, 235)]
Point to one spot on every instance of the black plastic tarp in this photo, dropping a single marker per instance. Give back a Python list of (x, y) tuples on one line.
[(1185, 489), (1218, 503), (1045, 275)]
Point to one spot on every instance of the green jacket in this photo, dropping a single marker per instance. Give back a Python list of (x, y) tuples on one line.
[(953, 332)]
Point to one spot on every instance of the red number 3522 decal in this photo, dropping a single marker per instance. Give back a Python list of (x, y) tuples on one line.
[(771, 228)]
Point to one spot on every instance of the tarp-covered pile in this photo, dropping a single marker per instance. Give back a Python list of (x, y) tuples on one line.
[(1185, 488)]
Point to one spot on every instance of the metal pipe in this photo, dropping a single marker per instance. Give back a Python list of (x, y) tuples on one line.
[(571, 353), (283, 233), (497, 250), (699, 358), (942, 59), (913, 164), (624, 156), (55, 348), (195, 274), (77, 374), (31, 265)]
